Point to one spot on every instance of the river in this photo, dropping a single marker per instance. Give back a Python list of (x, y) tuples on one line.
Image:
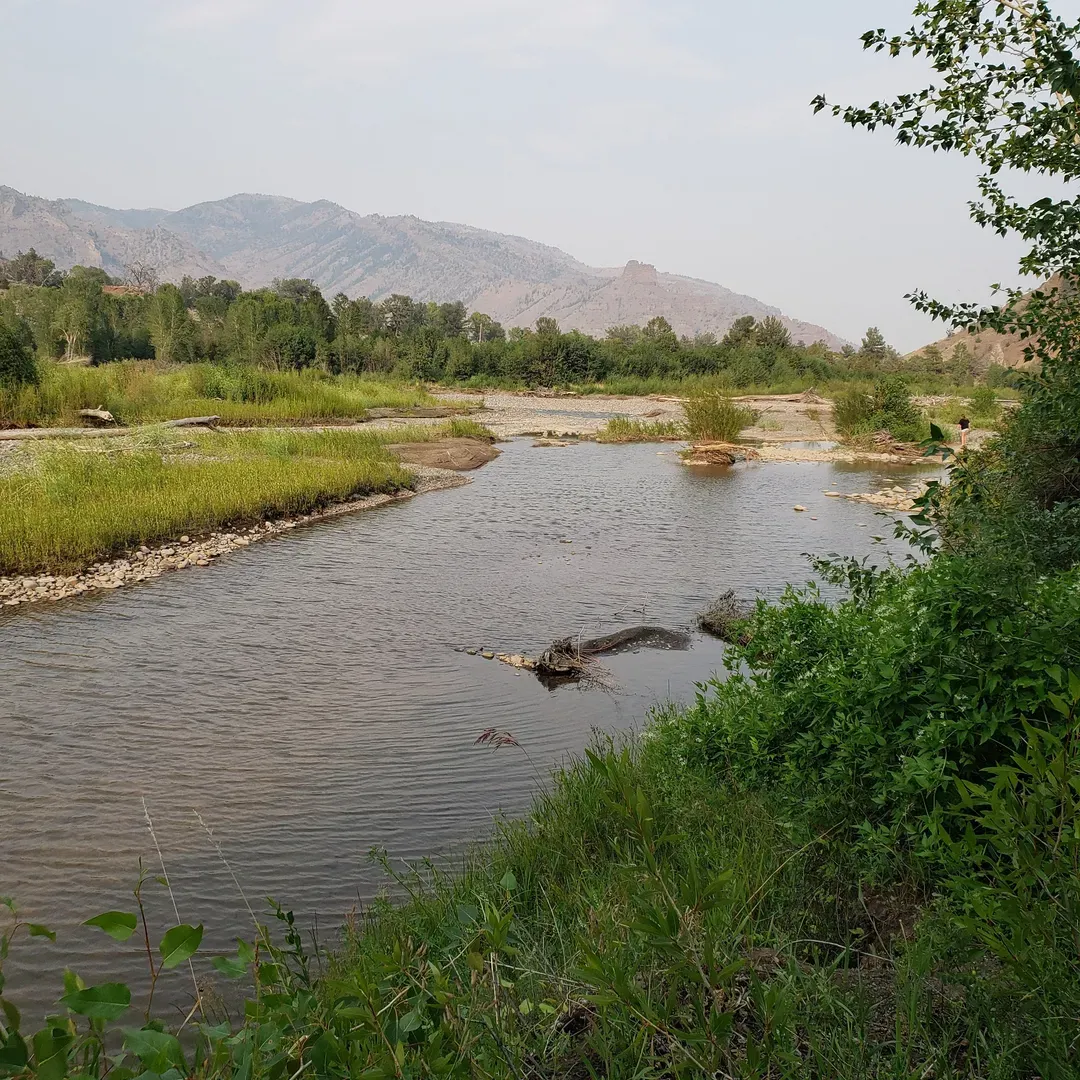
[(308, 696)]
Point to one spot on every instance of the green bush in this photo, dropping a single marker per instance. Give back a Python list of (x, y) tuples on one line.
[(715, 417), (852, 411), (17, 364), (983, 404), (869, 712)]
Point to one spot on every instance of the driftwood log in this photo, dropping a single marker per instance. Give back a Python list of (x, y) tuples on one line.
[(569, 657), (193, 421), (101, 416)]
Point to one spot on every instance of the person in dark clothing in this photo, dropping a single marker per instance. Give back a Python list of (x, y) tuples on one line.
[(965, 424)]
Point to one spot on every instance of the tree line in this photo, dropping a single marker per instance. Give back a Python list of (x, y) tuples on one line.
[(291, 325)]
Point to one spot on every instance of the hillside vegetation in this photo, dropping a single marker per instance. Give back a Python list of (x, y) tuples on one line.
[(279, 354)]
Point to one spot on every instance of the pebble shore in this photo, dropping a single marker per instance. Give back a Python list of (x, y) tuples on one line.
[(145, 563)]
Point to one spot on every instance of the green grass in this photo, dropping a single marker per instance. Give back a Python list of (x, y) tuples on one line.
[(645, 920), (459, 428), (621, 429), (140, 392), (69, 506), (716, 417)]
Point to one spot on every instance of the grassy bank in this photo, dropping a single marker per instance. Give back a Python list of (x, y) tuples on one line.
[(66, 506), (643, 921), (140, 392)]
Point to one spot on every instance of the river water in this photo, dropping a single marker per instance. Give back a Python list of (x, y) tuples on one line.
[(308, 698)]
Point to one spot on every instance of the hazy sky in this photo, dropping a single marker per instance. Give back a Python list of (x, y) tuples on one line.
[(676, 132)]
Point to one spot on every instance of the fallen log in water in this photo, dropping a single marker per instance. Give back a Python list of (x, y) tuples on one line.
[(718, 453), (570, 657)]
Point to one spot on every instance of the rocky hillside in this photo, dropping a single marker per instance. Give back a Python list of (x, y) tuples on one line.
[(256, 238)]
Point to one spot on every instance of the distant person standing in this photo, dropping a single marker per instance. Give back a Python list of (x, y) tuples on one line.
[(965, 423)]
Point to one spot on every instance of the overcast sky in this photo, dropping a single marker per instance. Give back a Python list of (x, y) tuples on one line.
[(676, 132)]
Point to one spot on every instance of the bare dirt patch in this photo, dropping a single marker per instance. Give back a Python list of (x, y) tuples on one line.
[(461, 455)]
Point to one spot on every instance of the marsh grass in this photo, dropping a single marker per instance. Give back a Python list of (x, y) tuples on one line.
[(622, 429), (140, 392), (72, 505)]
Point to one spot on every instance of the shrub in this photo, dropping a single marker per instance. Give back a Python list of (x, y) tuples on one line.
[(17, 364), (983, 403), (888, 407), (716, 417), (852, 412), (870, 711)]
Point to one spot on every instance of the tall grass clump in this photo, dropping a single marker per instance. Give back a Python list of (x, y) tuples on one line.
[(140, 392), (622, 429), (73, 506), (713, 416)]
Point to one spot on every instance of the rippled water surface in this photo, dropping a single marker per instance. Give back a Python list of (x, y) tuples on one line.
[(306, 694)]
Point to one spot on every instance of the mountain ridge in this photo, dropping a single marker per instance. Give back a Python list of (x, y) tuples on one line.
[(255, 238)]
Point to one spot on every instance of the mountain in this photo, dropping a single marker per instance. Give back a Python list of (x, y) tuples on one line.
[(257, 238)]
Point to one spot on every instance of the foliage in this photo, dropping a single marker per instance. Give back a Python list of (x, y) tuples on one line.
[(887, 407), (716, 417), (1007, 92), (18, 366)]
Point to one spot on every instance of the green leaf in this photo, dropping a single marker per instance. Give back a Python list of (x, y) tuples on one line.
[(119, 925), (509, 882), (179, 943), (14, 1020), (8, 902), (50, 1053), (14, 1054), (1059, 703), (157, 1050), (936, 433), (37, 930), (104, 1002), (230, 966)]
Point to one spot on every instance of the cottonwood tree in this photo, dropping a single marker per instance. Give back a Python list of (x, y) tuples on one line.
[(142, 275), (172, 332), (30, 268), (1006, 92)]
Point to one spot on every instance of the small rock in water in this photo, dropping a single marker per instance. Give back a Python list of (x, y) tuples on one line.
[(800, 508), (471, 652), (488, 655), (833, 494)]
